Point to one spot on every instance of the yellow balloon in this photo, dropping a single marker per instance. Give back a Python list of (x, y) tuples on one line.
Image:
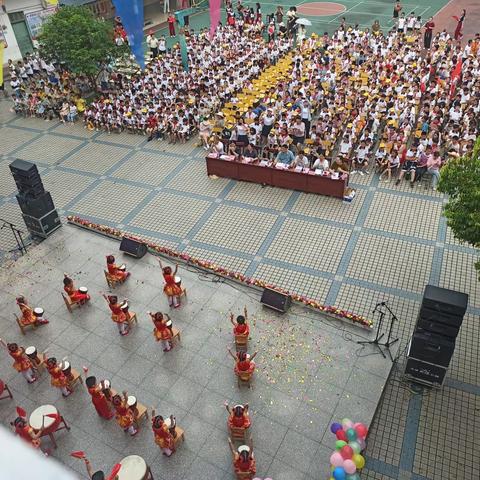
[(358, 460)]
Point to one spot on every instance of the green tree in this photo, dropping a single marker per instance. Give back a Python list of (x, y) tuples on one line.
[(79, 40), (460, 179)]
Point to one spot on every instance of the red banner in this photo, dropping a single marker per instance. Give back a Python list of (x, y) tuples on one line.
[(214, 15)]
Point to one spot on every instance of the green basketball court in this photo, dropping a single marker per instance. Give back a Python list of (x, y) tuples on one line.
[(363, 12)]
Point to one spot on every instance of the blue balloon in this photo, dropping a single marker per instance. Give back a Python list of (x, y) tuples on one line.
[(339, 474), (335, 427)]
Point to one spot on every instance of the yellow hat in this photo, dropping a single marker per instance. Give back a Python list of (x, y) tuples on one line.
[(382, 145), (306, 150)]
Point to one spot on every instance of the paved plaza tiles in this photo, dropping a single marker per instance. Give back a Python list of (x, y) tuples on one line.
[(385, 245)]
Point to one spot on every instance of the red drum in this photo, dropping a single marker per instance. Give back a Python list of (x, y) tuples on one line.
[(124, 307), (106, 389), (171, 426), (37, 418), (38, 312), (132, 403), (178, 280), (67, 369), (83, 290), (122, 267), (32, 354)]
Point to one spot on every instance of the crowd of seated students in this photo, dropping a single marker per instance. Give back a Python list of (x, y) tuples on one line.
[(362, 101)]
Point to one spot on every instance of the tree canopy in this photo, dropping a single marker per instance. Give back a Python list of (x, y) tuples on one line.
[(79, 40), (460, 179)]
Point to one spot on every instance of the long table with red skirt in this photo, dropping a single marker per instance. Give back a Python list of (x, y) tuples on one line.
[(267, 175)]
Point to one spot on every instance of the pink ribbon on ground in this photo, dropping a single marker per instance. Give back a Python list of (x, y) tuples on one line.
[(214, 15)]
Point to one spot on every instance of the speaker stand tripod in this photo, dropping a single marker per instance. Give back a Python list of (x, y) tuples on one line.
[(378, 335)]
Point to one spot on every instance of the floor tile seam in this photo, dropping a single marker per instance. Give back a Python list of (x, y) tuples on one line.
[(186, 194), (461, 249), (398, 292), (202, 221), (248, 206), (270, 236), (62, 168), (414, 195), (70, 136), (13, 153), (320, 221), (25, 129), (399, 236), (129, 153), (379, 466), (410, 435), (68, 154), (137, 209), (462, 386), (86, 191), (113, 144), (220, 250), (145, 148), (296, 268)]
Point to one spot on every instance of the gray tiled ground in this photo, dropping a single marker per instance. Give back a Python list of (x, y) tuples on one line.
[(311, 356), (385, 245)]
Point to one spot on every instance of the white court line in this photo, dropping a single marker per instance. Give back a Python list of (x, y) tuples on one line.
[(345, 11)]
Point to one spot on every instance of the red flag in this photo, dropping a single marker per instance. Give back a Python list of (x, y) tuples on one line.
[(114, 471), (21, 412), (55, 416), (78, 454), (457, 70)]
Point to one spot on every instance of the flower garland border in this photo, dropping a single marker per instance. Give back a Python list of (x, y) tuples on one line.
[(115, 233)]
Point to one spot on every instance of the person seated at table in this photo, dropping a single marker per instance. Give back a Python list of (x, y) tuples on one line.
[(233, 150), (301, 160), (238, 416), (243, 362), (118, 273), (216, 146), (21, 363), (340, 165), (118, 315), (58, 378), (284, 156), (171, 289), (28, 317), (164, 436), (76, 296), (161, 331), (26, 432), (243, 461), (250, 151), (124, 414), (320, 163), (240, 326)]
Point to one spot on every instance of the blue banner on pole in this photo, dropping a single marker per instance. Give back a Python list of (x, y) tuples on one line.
[(131, 14)]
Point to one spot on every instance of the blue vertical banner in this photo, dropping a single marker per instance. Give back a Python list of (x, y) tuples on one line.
[(131, 14)]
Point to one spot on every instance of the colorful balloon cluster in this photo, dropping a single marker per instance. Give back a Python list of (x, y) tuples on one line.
[(347, 458)]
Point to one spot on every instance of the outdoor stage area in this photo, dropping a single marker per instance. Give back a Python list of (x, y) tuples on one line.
[(310, 369)]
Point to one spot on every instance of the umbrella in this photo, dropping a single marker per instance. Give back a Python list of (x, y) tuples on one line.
[(304, 21)]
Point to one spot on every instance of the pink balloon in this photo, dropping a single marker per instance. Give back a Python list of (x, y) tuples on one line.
[(336, 459), (349, 466)]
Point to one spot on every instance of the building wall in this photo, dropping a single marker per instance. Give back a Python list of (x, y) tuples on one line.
[(26, 6)]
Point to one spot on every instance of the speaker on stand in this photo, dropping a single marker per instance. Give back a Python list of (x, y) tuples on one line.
[(38, 210), (433, 341)]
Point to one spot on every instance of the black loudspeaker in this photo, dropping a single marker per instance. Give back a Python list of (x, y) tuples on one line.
[(432, 348), (43, 226), (36, 207), (440, 317), (133, 248), (436, 327), (425, 372), (445, 301), (276, 300), (27, 178)]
